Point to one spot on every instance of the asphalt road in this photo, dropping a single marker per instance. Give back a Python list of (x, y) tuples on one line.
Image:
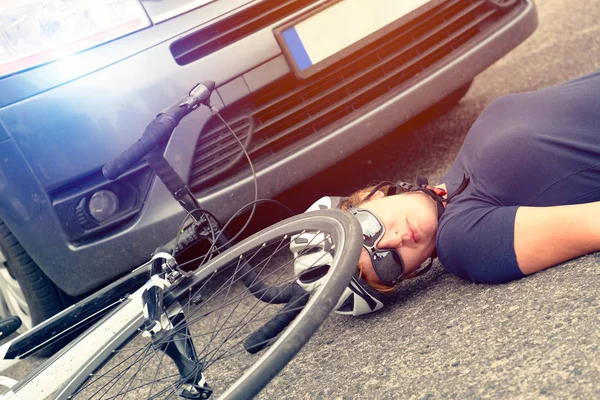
[(445, 338)]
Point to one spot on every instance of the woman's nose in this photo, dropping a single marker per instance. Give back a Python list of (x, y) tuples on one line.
[(390, 240)]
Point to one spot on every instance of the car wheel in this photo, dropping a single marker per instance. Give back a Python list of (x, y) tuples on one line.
[(12, 299), (25, 291)]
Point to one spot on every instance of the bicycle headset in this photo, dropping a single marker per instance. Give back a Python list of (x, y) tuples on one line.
[(359, 297)]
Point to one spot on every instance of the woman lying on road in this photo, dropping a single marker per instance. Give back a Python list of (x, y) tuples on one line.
[(522, 195)]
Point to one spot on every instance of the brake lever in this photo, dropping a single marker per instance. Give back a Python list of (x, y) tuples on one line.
[(199, 94)]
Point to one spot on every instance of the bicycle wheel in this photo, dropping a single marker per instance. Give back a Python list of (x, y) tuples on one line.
[(219, 313)]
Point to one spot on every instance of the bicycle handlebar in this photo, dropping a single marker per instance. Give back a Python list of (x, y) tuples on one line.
[(159, 130)]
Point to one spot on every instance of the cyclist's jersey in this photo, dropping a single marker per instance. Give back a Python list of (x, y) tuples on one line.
[(538, 148)]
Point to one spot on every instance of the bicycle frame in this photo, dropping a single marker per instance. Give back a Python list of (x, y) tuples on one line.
[(81, 315), (96, 306), (47, 383)]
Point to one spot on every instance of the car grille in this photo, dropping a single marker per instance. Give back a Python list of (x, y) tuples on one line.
[(290, 111), (229, 30)]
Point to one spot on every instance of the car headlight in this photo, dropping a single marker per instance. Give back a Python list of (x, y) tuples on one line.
[(33, 32)]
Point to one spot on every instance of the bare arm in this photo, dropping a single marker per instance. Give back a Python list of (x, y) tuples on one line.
[(546, 236)]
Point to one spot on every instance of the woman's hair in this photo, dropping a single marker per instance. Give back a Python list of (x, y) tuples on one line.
[(380, 287), (358, 197), (355, 200)]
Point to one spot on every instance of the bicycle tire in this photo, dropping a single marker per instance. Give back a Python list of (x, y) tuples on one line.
[(341, 229)]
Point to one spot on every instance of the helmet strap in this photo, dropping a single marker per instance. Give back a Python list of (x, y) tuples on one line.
[(425, 268), (439, 195), (381, 185)]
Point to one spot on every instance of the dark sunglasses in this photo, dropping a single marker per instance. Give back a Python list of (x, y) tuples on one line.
[(388, 264)]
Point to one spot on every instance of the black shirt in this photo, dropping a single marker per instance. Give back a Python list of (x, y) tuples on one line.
[(537, 148)]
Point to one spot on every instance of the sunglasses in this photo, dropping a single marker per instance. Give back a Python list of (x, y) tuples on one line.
[(387, 263)]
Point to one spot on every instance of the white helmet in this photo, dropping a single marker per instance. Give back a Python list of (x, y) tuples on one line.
[(358, 298)]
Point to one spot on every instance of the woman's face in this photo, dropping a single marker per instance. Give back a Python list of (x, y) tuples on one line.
[(410, 221)]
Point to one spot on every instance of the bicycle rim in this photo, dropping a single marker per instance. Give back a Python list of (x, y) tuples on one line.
[(220, 314)]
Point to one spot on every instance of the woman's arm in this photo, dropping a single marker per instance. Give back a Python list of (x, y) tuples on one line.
[(546, 236)]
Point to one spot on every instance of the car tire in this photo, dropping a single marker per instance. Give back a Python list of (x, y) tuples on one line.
[(25, 290)]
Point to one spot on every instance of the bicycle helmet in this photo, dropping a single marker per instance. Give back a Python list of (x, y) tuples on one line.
[(358, 298)]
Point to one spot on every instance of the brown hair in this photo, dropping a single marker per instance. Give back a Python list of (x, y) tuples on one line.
[(380, 287), (356, 199)]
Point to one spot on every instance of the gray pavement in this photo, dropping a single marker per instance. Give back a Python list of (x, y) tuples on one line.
[(537, 338)]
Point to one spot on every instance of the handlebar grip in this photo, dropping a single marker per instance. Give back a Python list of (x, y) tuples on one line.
[(120, 164), (157, 132), (163, 169), (261, 338), (160, 129)]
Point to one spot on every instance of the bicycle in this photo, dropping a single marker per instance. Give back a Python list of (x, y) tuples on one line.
[(166, 332)]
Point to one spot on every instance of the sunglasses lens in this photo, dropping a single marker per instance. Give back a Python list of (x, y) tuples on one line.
[(388, 266), (371, 228)]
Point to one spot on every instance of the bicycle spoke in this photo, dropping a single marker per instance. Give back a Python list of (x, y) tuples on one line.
[(120, 375), (274, 253), (166, 378), (249, 311), (170, 383), (210, 361), (190, 321), (217, 292), (243, 350), (244, 295), (222, 308), (163, 391), (147, 381), (233, 326), (130, 381), (115, 379), (233, 310), (162, 357), (120, 363)]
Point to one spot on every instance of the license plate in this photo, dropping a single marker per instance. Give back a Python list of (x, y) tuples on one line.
[(328, 34)]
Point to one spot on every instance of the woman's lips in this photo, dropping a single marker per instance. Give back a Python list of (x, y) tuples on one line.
[(413, 232)]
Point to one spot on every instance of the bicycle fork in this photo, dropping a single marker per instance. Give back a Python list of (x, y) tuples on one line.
[(167, 329)]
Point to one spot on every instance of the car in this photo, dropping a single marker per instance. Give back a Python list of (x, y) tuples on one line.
[(317, 80)]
